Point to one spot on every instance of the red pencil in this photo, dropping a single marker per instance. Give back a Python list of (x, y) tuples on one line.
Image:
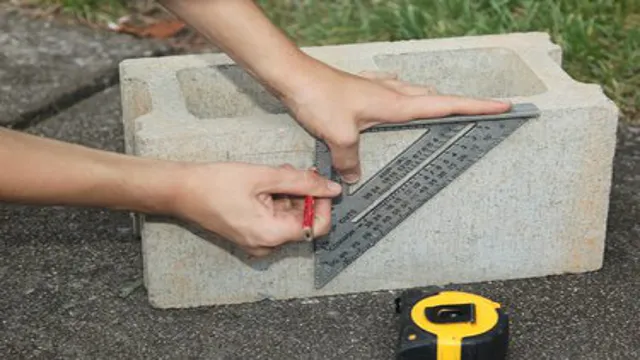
[(307, 221), (308, 215)]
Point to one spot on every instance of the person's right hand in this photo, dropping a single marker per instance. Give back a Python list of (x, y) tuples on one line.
[(336, 106), (257, 207)]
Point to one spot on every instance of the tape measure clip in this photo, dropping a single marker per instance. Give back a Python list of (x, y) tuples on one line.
[(451, 314)]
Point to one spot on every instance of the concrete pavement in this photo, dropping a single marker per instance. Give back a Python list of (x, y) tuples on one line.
[(46, 66)]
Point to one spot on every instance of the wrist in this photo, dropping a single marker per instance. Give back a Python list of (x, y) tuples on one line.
[(303, 80), (242, 31), (150, 186), (291, 75)]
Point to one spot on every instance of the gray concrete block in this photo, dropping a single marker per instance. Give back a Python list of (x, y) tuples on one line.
[(534, 206)]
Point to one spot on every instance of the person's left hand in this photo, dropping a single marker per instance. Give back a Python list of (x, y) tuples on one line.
[(259, 208), (336, 106)]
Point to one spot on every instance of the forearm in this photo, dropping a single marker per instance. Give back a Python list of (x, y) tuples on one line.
[(42, 171), (242, 31)]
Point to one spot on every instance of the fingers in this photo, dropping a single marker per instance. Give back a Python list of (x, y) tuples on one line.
[(412, 90), (322, 222), (287, 180), (409, 89), (290, 209), (271, 213), (409, 108), (287, 226), (282, 202), (257, 252), (378, 75), (391, 80), (287, 166)]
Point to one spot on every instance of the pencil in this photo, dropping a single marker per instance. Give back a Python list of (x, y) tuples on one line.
[(307, 222), (308, 215)]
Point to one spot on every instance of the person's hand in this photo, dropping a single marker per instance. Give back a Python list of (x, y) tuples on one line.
[(257, 207), (336, 106)]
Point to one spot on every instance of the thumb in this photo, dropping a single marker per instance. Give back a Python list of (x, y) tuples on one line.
[(431, 106), (345, 156), (286, 180)]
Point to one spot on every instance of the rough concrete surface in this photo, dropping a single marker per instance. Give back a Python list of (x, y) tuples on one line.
[(496, 221), (45, 65), (69, 288)]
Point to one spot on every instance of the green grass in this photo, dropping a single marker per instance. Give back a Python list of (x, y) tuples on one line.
[(600, 38), (89, 10)]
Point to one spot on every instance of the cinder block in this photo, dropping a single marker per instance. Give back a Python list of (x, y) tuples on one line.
[(536, 205)]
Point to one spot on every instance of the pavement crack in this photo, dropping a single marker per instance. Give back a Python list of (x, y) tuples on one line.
[(68, 99), (65, 101)]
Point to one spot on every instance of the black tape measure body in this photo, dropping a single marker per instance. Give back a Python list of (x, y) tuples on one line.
[(451, 325)]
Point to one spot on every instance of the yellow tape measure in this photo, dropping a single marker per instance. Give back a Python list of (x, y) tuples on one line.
[(451, 325)]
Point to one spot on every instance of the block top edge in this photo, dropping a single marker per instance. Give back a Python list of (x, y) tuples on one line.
[(521, 40)]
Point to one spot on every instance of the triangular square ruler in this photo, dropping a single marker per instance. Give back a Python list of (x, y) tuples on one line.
[(449, 146)]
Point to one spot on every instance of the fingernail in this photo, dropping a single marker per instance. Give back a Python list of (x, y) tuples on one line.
[(351, 178), (334, 186)]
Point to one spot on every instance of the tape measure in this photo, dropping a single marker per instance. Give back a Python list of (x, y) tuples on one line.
[(448, 147), (451, 325)]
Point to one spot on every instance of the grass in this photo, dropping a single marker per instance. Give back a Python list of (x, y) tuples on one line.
[(88, 10), (600, 38)]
